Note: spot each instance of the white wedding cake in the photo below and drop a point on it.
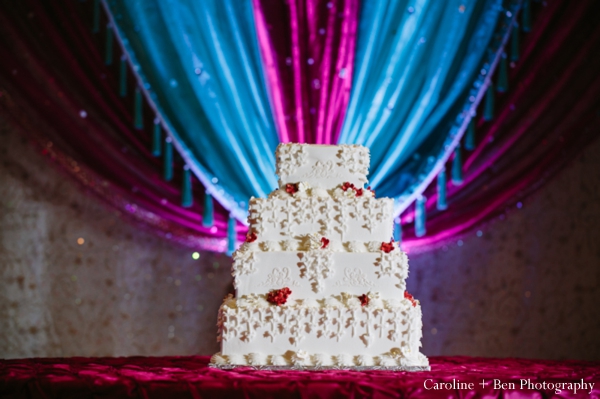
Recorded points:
(319, 281)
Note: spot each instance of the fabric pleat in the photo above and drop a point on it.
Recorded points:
(201, 64)
(308, 53)
(415, 64)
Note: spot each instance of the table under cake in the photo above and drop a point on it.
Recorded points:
(190, 377)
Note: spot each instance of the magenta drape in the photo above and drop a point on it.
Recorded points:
(189, 377)
(308, 54)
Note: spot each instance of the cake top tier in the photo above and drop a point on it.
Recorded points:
(323, 166)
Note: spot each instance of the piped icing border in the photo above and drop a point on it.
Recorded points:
(396, 359)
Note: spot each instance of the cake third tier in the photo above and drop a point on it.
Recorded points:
(315, 273)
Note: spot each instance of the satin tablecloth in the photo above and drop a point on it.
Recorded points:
(190, 377)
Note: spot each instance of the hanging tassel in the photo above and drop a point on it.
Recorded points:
(488, 107)
(420, 217)
(398, 229)
(138, 120)
(156, 138)
(470, 135)
(186, 188)
(514, 44)
(108, 54)
(96, 17)
(457, 174)
(231, 235)
(123, 76)
(208, 216)
(168, 160)
(502, 84)
(526, 16)
(442, 204)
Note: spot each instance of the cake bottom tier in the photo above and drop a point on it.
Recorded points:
(384, 334)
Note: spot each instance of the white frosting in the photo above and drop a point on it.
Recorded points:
(375, 301)
(367, 194)
(237, 358)
(217, 358)
(229, 301)
(364, 360)
(310, 303)
(333, 327)
(252, 300)
(303, 187)
(321, 359)
(374, 246)
(324, 322)
(257, 359)
(247, 247)
(332, 302)
(344, 359)
(289, 245)
(301, 358)
(276, 194)
(269, 246)
(323, 166)
(355, 246)
(321, 272)
(387, 361)
(360, 219)
(350, 301)
(319, 192)
(278, 360)
(313, 241)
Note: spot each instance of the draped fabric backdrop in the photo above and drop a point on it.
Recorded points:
(225, 84)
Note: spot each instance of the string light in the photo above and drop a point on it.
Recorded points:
(80, 241)
(196, 256)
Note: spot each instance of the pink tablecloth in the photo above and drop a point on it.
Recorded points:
(189, 377)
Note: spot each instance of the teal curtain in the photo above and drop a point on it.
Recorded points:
(201, 64)
(416, 64)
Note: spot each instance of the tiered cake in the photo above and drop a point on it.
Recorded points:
(319, 281)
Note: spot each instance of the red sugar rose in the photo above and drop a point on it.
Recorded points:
(359, 192)
(251, 237)
(291, 188)
(410, 298)
(371, 190)
(325, 242)
(364, 300)
(387, 247)
(279, 297)
(347, 186)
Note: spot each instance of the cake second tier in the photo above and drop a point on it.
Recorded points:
(284, 221)
(312, 274)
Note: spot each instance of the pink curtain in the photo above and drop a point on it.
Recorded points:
(308, 54)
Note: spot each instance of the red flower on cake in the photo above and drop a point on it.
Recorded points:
(291, 188)
(364, 300)
(279, 297)
(325, 242)
(371, 190)
(251, 237)
(410, 298)
(359, 192)
(347, 186)
(387, 247)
